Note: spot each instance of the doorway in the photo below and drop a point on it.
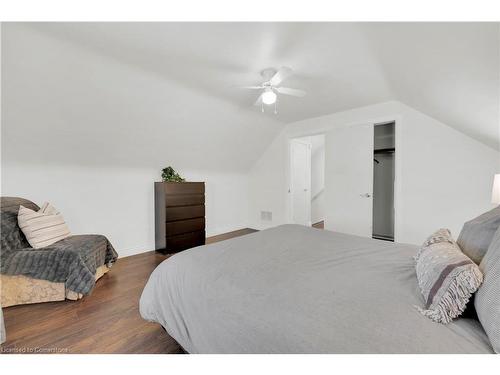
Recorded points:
(383, 181)
(307, 180)
(351, 172)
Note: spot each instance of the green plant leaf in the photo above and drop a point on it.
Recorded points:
(170, 175)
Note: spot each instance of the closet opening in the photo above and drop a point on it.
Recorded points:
(383, 181)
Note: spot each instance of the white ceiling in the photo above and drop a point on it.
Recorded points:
(447, 70)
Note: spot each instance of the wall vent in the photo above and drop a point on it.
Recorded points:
(266, 215)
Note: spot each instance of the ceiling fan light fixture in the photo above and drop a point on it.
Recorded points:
(269, 97)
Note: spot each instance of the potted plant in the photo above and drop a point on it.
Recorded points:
(168, 174)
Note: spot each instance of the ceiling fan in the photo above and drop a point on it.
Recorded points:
(270, 87)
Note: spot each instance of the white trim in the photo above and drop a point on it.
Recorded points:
(397, 120)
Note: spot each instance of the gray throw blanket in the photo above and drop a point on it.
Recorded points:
(73, 260)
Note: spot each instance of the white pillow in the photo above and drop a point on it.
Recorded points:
(42, 228)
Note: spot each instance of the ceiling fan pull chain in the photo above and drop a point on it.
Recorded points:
(276, 107)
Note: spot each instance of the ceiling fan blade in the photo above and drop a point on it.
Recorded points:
(292, 92)
(252, 87)
(281, 75)
(258, 101)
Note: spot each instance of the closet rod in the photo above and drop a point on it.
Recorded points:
(385, 150)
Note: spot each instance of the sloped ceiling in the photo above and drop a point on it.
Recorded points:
(450, 71)
(64, 104)
(447, 70)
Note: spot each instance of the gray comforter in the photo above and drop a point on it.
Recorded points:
(293, 289)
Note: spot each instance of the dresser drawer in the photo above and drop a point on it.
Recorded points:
(184, 212)
(172, 200)
(185, 241)
(184, 226)
(184, 188)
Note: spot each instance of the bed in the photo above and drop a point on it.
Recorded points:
(293, 289)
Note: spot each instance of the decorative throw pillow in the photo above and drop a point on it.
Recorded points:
(42, 228)
(447, 279)
(441, 235)
(487, 298)
(476, 235)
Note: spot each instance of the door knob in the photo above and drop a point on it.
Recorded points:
(365, 195)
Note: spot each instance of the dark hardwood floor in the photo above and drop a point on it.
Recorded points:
(107, 321)
(226, 236)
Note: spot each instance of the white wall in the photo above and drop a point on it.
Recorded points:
(268, 185)
(119, 202)
(91, 135)
(445, 176)
(318, 178)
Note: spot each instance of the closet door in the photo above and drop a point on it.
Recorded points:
(300, 186)
(349, 180)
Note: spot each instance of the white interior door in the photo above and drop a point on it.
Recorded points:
(349, 180)
(300, 181)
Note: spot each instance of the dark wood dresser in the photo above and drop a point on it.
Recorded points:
(179, 215)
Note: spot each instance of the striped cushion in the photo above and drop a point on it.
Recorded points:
(487, 300)
(42, 228)
(447, 279)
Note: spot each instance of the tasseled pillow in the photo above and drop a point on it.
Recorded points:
(447, 279)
